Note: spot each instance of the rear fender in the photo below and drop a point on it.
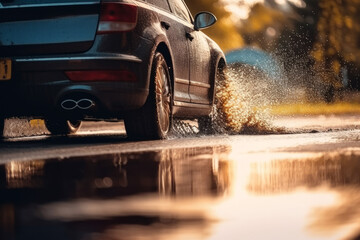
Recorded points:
(162, 45)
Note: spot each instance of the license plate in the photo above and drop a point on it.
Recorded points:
(5, 69)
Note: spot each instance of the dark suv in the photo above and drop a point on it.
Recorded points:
(144, 61)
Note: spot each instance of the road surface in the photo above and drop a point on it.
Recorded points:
(300, 182)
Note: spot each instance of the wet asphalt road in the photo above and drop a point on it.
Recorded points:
(301, 184)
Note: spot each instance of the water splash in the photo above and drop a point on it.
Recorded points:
(182, 128)
(242, 102)
(242, 105)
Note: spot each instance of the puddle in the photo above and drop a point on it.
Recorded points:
(185, 193)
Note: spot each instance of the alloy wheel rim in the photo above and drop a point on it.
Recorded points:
(163, 98)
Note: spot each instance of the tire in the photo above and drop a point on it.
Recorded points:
(2, 127)
(211, 124)
(206, 125)
(58, 126)
(154, 120)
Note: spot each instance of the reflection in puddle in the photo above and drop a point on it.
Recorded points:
(286, 175)
(165, 194)
(24, 175)
(342, 215)
(191, 193)
(334, 176)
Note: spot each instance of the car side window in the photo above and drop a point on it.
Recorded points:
(163, 4)
(180, 10)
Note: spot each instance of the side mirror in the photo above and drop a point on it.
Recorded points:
(204, 20)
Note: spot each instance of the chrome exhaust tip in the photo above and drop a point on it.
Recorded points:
(85, 103)
(68, 104)
(71, 104)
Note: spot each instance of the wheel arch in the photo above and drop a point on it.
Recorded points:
(220, 63)
(165, 51)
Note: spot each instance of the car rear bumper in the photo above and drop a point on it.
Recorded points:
(39, 85)
(75, 62)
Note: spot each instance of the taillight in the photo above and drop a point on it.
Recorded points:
(101, 76)
(117, 17)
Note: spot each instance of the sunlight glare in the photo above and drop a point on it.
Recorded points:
(241, 8)
(298, 3)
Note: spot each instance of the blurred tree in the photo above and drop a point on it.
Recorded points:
(352, 42)
(328, 50)
(319, 38)
(289, 33)
(263, 27)
(296, 44)
(300, 39)
(223, 32)
(337, 44)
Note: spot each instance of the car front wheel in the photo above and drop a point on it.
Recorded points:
(58, 126)
(154, 119)
(213, 123)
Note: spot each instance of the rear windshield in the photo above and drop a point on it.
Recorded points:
(32, 2)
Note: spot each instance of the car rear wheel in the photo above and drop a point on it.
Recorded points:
(58, 126)
(154, 119)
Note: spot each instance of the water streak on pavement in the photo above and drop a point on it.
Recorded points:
(183, 193)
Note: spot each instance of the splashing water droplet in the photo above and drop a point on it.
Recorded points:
(242, 101)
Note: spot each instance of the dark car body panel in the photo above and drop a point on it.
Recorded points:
(45, 40)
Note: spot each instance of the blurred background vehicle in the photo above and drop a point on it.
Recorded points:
(257, 60)
(261, 69)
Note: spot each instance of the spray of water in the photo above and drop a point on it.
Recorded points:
(243, 99)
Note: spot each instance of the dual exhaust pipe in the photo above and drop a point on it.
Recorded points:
(83, 104)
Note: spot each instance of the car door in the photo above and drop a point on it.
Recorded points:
(175, 30)
(200, 59)
(199, 55)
